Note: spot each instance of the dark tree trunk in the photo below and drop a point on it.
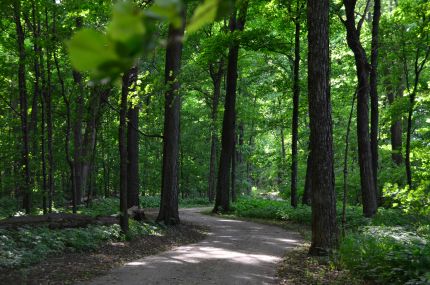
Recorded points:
(374, 119)
(133, 148)
(396, 133)
(26, 191)
(418, 67)
(48, 102)
(364, 151)
(307, 192)
(216, 76)
(222, 201)
(169, 213)
(77, 131)
(295, 121)
(324, 225)
(345, 165)
(122, 139)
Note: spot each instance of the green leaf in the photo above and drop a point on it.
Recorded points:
(127, 23)
(88, 49)
(204, 14)
(167, 9)
(208, 12)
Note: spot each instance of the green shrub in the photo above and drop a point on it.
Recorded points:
(388, 255)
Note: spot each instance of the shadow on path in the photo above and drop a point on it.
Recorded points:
(235, 252)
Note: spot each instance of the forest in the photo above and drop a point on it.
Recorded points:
(144, 140)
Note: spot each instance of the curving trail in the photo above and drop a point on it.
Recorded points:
(234, 252)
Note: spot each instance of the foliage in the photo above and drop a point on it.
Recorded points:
(388, 255)
(27, 245)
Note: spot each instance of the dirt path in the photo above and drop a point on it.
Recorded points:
(235, 252)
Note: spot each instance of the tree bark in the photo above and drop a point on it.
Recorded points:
(216, 76)
(295, 121)
(364, 151)
(324, 225)
(396, 132)
(122, 139)
(222, 201)
(133, 148)
(169, 213)
(26, 191)
(374, 119)
(418, 67)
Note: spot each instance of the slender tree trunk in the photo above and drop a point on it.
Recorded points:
(374, 99)
(26, 191)
(122, 139)
(295, 121)
(418, 67)
(396, 132)
(169, 213)
(77, 131)
(48, 102)
(324, 225)
(222, 201)
(345, 165)
(133, 147)
(43, 154)
(364, 151)
(216, 76)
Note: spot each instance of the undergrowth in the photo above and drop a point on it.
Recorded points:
(391, 248)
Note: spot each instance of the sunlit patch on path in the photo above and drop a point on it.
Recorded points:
(235, 252)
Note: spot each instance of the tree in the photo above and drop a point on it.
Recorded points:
(296, 95)
(324, 225)
(133, 146)
(237, 23)
(26, 191)
(374, 99)
(170, 172)
(368, 189)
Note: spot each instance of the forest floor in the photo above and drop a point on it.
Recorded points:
(234, 252)
(75, 267)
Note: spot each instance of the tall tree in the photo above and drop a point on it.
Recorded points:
(216, 71)
(296, 95)
(237, 23)
(122, 143)
(374, 99)
(26, 191)
(133, 146)
(324, 225)
(169, 213)
(362, 68)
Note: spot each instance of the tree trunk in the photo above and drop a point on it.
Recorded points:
(133, 148)
(418, 67)
(48, 102)
(324, 225)
(374, 119)
(345, 165)
(77, 131)
(295, 121)
(26, 191)
(169, 213)
(222, 201)
(216, 76)
(364, 151)
(122, 139)
(396, 132)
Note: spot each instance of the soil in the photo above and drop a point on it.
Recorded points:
(72, 268)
